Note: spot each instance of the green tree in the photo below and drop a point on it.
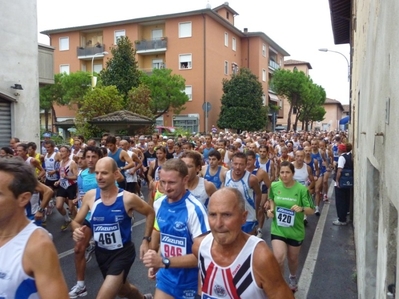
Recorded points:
(121, 70)
(242, 105)
(74, 87)
(312, 106)
(167, 91)
(292, 86)
(100, 101)
(139, 99)
(48, 96)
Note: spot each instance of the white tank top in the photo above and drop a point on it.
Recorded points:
(130, 178)
(218, 282)
(301, 175)
(65, 169)
(199, 192)
(243, 186)
(49, 163)
(14, 282)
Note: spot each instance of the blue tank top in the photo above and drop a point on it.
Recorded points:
(319, 159)
(116, 157)
(205, 154)
(111, 225)
(311, 164)
(214, 179)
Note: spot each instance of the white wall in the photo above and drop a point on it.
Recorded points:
(19, 64)
(375, 77)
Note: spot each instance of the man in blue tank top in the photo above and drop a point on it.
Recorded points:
(111, 212)
(214, 172)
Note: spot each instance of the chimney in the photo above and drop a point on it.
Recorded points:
(245, 30)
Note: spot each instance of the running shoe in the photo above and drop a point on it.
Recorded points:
(50, 207)
(89, 252)
(339, 223)
(325, 199)
(317, 211)
(65, 225)
(293, 284)
(259, 233)
(77, 291)
(148, 296)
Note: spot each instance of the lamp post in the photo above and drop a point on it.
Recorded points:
(347, 61)
(93, 81)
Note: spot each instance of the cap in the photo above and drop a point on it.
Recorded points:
(342, 147)
(46, 135)
(141, 137)
(165, 137)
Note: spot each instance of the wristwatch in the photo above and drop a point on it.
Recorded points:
(166, 262)
(147, 238)
(41, 210)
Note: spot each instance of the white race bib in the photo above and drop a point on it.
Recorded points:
(285, 217)
(173, 246)
(108, 236)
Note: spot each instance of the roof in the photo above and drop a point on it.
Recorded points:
(226, 5)
(122, 116)
(340, 11)
(346, 108)
(333, 102)
(297, 62)
(207, 11)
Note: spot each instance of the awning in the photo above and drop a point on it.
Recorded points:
(344, 120)
(274, 97)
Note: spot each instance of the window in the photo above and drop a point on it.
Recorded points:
(226, 39)
(185, 61)
(264, 50)
(227, 15)
(189, 92)
(64, 44)
(234, 44)
(263, 75)
(118, 34)
(226, 67)
(185, 29)
(234, 68)
(64, 68)
(158, 64)
(97, 68)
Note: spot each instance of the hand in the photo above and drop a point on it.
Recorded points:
(38, 215)
(270, 213)
(78, 233)
(297, 208)
(266, 205)
(152, 272)
(56, 183)
(143, 248)
(152, 259)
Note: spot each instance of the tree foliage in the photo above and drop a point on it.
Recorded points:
(242, 105)
(167, 91)
(48, 96)
(139, 100)
(100, 101)
(304, 97)
(121, 70)
(74, 87)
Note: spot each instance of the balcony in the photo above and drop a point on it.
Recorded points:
(153, 46)
(273, 65)
(89, 52)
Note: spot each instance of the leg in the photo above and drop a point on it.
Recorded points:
(111, 286)
(80, 260)
(340, 204)
(280, 252)
(129, 291)
(292, 257)
(59, 202)
(161, 295)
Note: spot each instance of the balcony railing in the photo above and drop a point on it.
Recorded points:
(151, 45)
(90, 51)
(274, 65)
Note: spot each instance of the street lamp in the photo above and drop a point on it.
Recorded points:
(347, 61)
(93, 81)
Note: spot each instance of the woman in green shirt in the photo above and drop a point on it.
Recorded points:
(289, 202)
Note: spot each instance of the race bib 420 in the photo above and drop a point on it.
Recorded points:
(285, 217)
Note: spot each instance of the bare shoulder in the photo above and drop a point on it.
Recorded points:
(39, 241)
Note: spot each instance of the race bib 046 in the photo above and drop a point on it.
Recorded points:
(285, 217)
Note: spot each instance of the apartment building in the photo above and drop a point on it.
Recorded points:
(203, 46)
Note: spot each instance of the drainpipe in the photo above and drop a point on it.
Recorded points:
(205, 112)
(245, 33)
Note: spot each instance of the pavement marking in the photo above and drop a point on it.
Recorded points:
(308, 268)
(71, 251)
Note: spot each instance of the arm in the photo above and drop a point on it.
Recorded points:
(210, 188)
(134, 203)
(264, 177)
(37, 165)
(44, 268)
(150, 170)
(124, 156)
(84, 209)
(310, 174)
(271, 279)
(223, 175)
(137, 162)
(46, 193)
(74, 170)
(203, 171)
(254, 184)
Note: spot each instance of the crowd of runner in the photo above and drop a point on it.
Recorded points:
(224, 183)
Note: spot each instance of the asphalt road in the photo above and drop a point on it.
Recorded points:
(138, 273)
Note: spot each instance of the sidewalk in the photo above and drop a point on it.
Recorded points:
(329, 271)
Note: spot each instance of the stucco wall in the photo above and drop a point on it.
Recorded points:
(374, 84)
(19, 64)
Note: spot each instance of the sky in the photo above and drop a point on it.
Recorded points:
(300, 27)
